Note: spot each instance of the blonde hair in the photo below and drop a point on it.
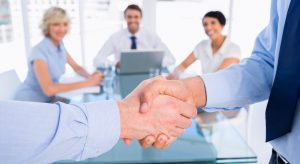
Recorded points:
(51, 16)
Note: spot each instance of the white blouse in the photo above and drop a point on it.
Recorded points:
(209, 62)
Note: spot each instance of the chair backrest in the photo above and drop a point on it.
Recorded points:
(9, 82)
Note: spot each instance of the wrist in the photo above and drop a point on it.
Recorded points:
(197, 87)
(179, 69)
(134, 125)
(87, 75)
(86, 83)
(123, 109)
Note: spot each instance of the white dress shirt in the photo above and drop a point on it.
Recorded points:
(43, 133)
(120, 41)
(211, 62)
(252, 80)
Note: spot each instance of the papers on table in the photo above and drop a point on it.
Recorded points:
(76, 78)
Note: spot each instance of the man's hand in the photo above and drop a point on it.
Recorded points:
(161, 86)
(94, 79)
(196, 89)
(166, 115)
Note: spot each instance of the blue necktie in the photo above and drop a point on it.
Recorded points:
(133, 43)
(285, 91)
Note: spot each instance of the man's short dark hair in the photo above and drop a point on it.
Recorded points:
(217, 15)
(133, 7)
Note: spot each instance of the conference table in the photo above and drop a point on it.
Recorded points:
(210, 139)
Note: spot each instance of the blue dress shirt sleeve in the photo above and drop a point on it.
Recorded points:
(44, 133)
(250, 81)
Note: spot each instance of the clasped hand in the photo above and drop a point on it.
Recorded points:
(157, 112)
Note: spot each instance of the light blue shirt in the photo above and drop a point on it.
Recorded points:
(55, 58)
(43, 133)
(251, 81)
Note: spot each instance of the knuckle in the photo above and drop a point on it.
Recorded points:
(171, 104)
(189, 123)
(180, 133)
(157, 146)
(160, 77)
(175, 120)
(156, 82)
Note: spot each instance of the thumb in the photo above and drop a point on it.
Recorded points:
(161, 86)
(127, 141)
(149, 93)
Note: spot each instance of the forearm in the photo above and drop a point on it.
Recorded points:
(62, 131)
(179, 69)
(82, 72)
(232, 87)
(131, 119)
(239, 85)
(186, 63)
(54, 88)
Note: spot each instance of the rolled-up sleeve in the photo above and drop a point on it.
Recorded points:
(44, 133)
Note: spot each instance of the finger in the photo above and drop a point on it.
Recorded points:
(183, 122)
(173, 88)
(147, 141)
(127, 141)
(144, 108)
(187, 110)
(160, 141)
(169, 141)
(175, 132)
(170, 77)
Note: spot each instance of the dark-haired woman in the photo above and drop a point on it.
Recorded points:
(214, 54)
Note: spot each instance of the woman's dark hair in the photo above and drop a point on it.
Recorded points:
(218, 15)
(133, 7)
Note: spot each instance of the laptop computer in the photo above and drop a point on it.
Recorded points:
(140, 62)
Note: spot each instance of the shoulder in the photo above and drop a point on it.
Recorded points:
(201, 48)
(203, 44)
(148, 34)
(118, 34)
(39, 51)
(233, 47)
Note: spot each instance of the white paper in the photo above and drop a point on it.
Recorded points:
(76, 78)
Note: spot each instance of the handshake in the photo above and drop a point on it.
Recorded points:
(159, 110)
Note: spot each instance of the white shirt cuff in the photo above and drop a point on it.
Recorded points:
(104, 127)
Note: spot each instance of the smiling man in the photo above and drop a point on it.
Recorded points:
(134, 37)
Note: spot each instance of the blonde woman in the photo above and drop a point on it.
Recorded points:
(47, 62)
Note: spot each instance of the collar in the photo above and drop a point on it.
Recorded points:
(50, 45)
(224, 45)
(221, 50)
(137, 34)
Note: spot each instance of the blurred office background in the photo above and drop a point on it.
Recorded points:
(177, 22)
